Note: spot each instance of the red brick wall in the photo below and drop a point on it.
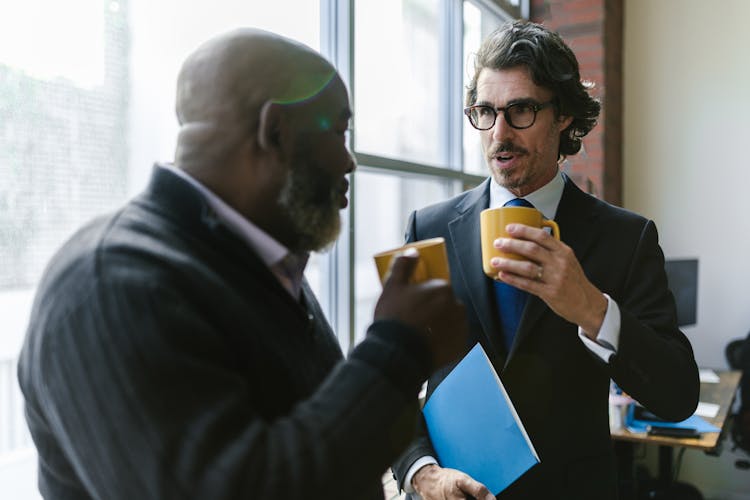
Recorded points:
(590, 28)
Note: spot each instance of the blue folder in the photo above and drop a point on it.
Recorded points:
(693, 422)
(474, 427)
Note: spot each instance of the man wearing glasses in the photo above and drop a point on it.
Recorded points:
(597, 308)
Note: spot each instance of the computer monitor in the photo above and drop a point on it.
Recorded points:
(682, 279)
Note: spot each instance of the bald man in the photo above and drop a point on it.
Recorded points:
(175, 349)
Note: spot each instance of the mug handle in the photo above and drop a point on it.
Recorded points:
(552, 225)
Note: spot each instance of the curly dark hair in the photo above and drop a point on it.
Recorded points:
(552, 65)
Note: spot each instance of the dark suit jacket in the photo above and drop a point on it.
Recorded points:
(164, 360)
(558, 386)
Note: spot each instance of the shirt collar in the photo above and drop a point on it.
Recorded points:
(545, 199)
(270, 251)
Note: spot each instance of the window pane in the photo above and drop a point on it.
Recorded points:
(76, 54)
(176, 31)
(86, 106)
(397, 81)
(478, 24)
(381, 208)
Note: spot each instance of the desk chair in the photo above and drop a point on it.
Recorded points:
(737, 353)
(734, 352)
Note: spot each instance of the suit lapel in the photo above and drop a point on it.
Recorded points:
(464, 239)
(575, 216)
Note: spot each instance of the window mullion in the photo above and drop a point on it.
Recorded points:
(452, 40)
(337, 44)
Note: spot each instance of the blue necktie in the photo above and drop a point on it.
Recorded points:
(510, 300)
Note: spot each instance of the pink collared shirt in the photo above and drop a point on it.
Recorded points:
(288, 267)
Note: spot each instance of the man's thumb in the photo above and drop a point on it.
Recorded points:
(402, 267)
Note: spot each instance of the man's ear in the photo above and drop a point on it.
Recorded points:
(564, 121)
(269, 126)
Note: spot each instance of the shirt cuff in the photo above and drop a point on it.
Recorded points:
(608, 340)
(408, 488)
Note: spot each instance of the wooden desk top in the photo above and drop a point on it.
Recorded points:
(721, 393)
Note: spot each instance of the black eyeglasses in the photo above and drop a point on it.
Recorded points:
(519, 115)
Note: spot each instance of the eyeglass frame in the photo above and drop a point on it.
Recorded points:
(536, 106)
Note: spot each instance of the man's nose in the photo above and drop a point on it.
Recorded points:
(501, 130)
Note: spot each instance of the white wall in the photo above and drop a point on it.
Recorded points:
(686, 165)
(686, 138)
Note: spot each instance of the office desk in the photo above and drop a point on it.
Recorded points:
(721, 393)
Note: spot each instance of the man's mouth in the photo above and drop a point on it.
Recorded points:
(506, 153)
(344, 201)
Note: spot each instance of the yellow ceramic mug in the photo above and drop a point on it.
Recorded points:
(492, 226)
(432, 263)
